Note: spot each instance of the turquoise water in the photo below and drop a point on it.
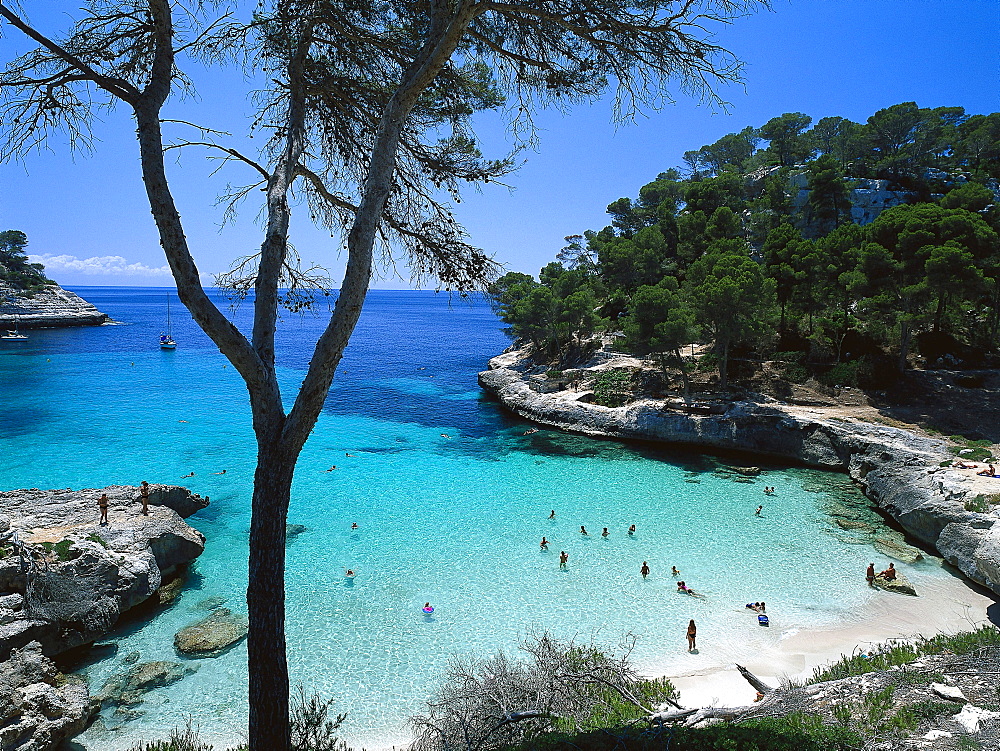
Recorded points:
(452, 520)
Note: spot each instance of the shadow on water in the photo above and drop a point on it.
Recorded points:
(21, 422)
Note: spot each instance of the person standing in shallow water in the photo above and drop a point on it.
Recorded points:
(692, 634)
(563, 557)
(144, 497)
(644, 570)
(102, 504)
(870, 575)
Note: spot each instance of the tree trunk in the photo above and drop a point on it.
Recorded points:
(684, 375)
(268, 679)
(905, 334)
(724, 367)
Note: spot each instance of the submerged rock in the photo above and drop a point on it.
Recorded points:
(212, 634)
(294, 530)
(854, 525)
(130, 687)
(169, 591)
(900, 585)
(898, 550)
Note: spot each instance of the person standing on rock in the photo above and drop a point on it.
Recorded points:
(870, 575)
(144, 497)
(102, 504)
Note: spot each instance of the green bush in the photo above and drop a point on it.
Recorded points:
(554, 373)
(841, 374)
(613, 387)
(708, 362)
(797, 373)
(978, 505)
(94, 537)
(61, 549)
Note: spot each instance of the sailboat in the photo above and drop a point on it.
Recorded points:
(15, 334)
(167, 340)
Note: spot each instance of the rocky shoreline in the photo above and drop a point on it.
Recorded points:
(53, 307)
(65, 580)
(899, 470)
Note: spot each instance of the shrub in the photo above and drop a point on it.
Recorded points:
(978, 505)
(94, 537)
(708, 362)
(554, 373)
(613, 387)
(841, 374)
(797, 373)
(61, 550)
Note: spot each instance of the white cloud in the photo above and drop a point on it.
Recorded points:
(97, 265)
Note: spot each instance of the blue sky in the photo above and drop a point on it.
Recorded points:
(87, 216)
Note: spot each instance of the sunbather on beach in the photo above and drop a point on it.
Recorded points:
(987, 472)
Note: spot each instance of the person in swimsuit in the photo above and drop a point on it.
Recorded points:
(144, 497)
(102, 504)
(692, 634)
(544, 544)
(631, 530)
(583, 530)
(605, 532)
(190, 474)
(870, 574)
(759, 509)
(563, 557)
(674, 571)
(890, 573)
(644, 570)
(552, 514)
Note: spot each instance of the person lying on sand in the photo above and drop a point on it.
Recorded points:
(959, 464)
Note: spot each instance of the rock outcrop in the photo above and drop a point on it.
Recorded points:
(211, 635)
(52, 307)
(899, 470)
(70, 578)
(129, 688)
(39, 707)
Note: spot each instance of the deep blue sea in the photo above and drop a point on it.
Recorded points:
(451, 500)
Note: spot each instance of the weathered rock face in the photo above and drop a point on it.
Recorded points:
(53, 307)
(900, 585)
(74, 578)
(210, 636)
(900, 471)
(39, 708)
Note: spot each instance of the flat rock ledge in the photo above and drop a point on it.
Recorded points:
(64, 582)
(899, 471)
(53, 307)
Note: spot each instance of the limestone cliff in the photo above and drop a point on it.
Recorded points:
(899, 470)
(52, 307)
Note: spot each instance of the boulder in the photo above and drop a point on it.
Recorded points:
(129, 688)
(211, 635)
(39, 707)
(900, 585)
(169, 591)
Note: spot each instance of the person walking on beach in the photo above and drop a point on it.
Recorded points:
(692, 634)
(144, 497)
(644, 570)
(563, 557)
(870, 575)
(102, 504)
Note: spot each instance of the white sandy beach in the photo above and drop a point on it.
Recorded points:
(943, 606)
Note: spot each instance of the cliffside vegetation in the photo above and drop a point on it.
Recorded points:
(15, 269)
(773, 242)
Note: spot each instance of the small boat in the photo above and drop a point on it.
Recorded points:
(15, 334)
(167, 340)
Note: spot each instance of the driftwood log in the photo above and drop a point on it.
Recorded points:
(691, 717)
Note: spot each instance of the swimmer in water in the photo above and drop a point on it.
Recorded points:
(583, 530)
(644, 570)
(631, 530)
(544, 544)
(552, 514)
(350, 455)
(219, 473)
(187, 475)
(674, 571)
(563, 557)
(349, 573)
(530, 431)
(759, 509)
(331, 468)
(445, 435)
(427, 608)
(605, 532)
(354, 526)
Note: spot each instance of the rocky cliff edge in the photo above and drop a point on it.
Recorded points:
(900, 471)
(65, 579)
(53, 307)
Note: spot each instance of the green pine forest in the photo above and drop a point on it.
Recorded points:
(846, 251)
